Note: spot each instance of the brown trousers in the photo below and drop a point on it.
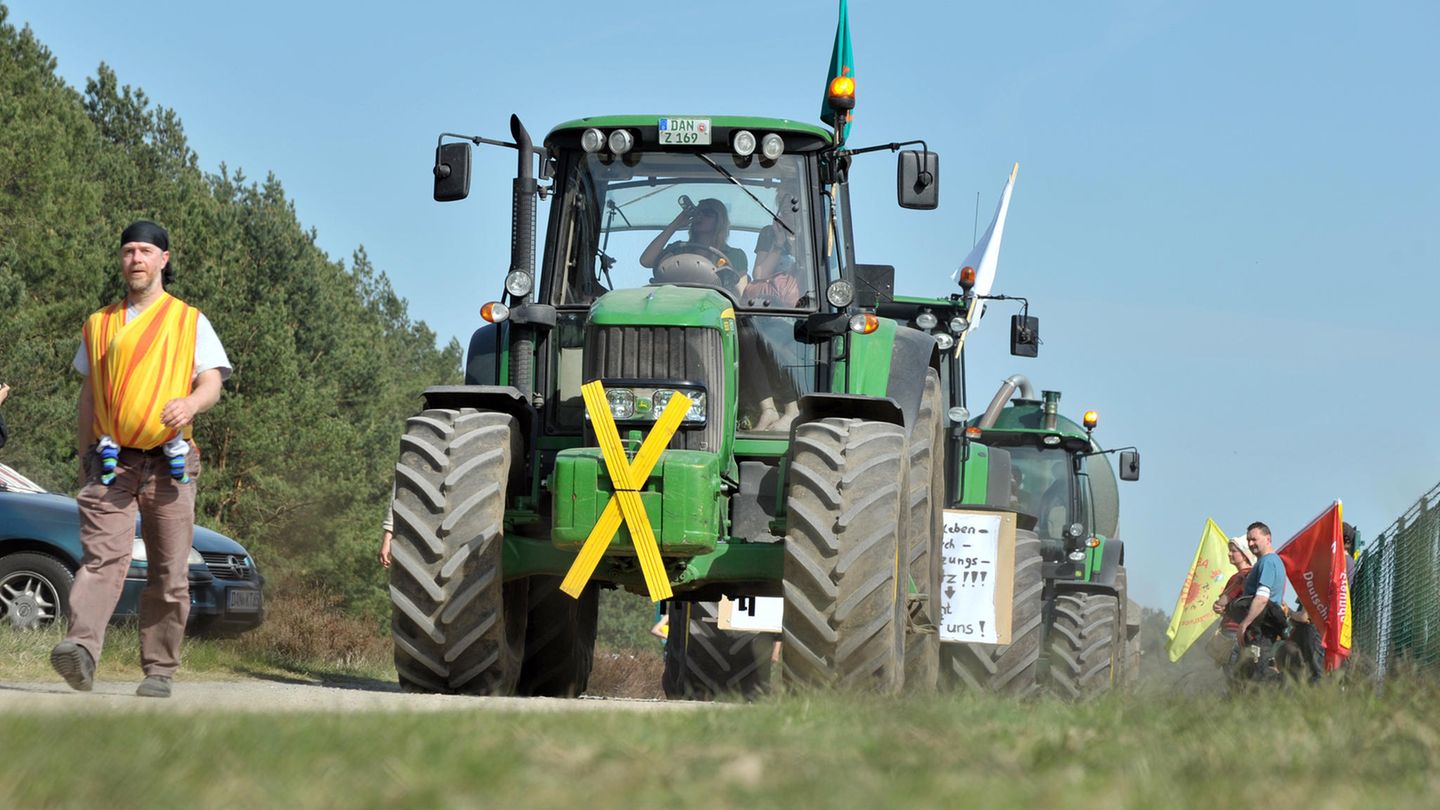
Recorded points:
(107, 533)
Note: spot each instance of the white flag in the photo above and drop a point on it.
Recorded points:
(985, 256)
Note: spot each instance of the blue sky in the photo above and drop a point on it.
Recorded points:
(1226, 214)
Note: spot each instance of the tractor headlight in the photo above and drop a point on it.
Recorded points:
(772, 146)
(621, 141)
(744, 143)
(647, 404)
(958, 324)
(592, 140)
(519, 283)
(926, 321)
(840, 294)
(622, 402)
(944, 341)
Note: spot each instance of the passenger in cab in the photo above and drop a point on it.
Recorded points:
(777, 281)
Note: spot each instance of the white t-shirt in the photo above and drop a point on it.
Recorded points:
(209, 353)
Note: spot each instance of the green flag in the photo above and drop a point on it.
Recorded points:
(842, 63)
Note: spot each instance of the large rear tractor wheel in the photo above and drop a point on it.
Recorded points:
(559, 639)
(1086, 645)
(844, 622)
(703, 662)
(1008, 669)
(924, 530)
(457, 626)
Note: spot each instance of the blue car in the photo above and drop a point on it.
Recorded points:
(40, 552)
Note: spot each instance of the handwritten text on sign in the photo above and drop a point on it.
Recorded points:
(973, 577)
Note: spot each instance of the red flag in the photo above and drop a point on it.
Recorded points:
(1315, 563)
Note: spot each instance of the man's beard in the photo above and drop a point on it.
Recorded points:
(141, 284)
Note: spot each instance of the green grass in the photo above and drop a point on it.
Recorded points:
(1324, 747)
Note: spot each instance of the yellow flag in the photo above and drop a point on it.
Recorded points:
(1208, 573)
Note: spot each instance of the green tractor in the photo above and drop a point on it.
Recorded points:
(703, 266)
(1076, 632)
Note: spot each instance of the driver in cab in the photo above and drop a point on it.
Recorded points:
(705, 257)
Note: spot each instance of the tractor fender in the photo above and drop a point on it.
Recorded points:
(913, 353)
(482, 361)
(891, 364)
(497, 398)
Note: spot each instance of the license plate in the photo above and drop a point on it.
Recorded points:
(684, 131)
(243, 600)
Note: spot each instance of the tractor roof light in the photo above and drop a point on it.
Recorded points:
(1092, 418)
(621, 141)
(840, 95)
(519, 283)
(967, 278)
(772, 146)
(863, 323)
(592, 140)
(743, 142)
(840, 293)
(494, 312)
(1051, 440)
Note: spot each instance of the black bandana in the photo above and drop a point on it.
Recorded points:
(143, 230)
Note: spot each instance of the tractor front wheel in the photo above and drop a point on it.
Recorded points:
(1086, 645)
(457, 626)
(844, 622)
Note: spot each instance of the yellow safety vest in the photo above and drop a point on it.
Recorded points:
(137, 367)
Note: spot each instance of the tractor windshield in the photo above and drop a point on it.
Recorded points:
(742, 225)
(1042, 486)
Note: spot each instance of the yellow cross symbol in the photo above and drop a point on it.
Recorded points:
(625, 507)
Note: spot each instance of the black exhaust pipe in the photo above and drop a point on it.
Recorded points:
(522, 257)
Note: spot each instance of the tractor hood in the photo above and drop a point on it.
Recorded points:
(664, 305)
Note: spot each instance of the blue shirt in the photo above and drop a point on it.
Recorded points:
(1268, 571)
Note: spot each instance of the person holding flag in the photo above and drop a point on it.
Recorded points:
(1264, 587)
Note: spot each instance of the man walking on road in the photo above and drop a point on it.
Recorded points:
(151, 363)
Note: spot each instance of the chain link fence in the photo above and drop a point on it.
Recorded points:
(1397, 590)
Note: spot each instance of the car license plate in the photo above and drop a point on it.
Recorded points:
(684, 131)
(243, 600)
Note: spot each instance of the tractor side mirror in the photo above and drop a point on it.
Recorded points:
(1129, 465)
(874, 285)
(917, 180)
(1024, 335)
(452, 171)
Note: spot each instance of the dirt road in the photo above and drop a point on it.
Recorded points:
(266, 696)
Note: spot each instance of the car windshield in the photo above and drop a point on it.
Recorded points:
(742, 225)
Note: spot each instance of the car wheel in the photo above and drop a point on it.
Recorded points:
(34, 590)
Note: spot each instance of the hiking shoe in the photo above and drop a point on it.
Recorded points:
(74, 664)
(154, 686)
